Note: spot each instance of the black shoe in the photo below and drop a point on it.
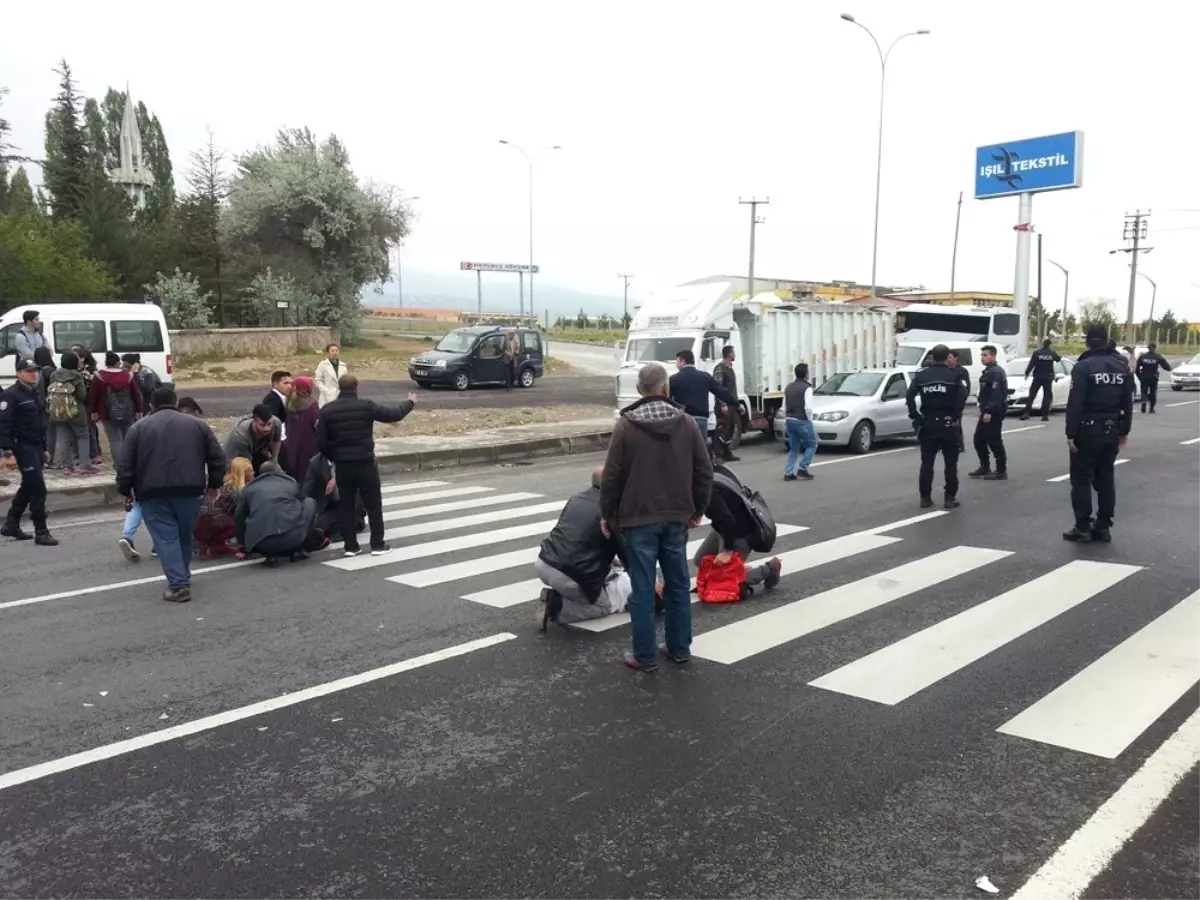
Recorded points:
(732, 458)
(1045, 418)
(270, 562)
(979, 473)
(551, 601)
(774, 570)
(45, 539)
(14, 532)
(299, 555)
(1025, 418)
(996, 476)
(1103, 535)
(951, 503)
(926, 502)
(177, 595)
(1152, 410)
(381, 550)
(805, 474)
(1078, 535)
(1143, 409)
(789, 478)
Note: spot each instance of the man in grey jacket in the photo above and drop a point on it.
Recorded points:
(168, 461)
(273, 516)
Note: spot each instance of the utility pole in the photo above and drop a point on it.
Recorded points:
(954, 255)
(755, 221)
(1041, 305)
(1135, 231)
(625, 317)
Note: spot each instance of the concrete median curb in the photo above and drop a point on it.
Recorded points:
(100, 491)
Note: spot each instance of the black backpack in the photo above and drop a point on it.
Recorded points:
(120, 406)
(762, 537)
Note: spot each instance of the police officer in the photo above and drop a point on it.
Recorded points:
(939, 423)
(1041, 367)
(1099, 416)
(1148, 366)
(23, 445)
(993, 402)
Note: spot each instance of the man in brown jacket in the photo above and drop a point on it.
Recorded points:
(656, 485)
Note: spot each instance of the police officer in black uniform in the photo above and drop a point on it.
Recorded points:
(1099, 416)
(1041, 367)
(993, 403)
(23, 445)
(1148, 366)
(939, 423)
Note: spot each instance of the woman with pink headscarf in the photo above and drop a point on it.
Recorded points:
(302, 413)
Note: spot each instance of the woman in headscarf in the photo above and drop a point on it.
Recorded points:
(301, 443)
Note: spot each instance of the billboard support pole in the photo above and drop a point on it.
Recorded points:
(1021, 278)
(479, 291)
(521, 295)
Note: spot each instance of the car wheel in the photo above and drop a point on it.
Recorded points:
(863, 437)
(526, 378)
(462, 381)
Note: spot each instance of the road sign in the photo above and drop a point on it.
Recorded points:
(281, 304)
(497, 267)
(1050, 163)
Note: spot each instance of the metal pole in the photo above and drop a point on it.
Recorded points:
(1041, 302)
(753, 228)
(1066, 285)
(479, 291)
(1137, 235)
(878, 178)
(954, 255)
(1021, 277)
(530, 161)
(399, 278)
(521, 294)
(1153, 296)
(625, 318)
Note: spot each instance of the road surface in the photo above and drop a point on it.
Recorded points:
(928, 698)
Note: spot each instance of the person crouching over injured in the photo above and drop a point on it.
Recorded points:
(274, 518)
(577, 564)
(732, 529)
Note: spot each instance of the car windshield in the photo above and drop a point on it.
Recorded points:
(1016, 368)
(1194, 361)
(456, 342)
(850, 384)
(910, 355)
(662, 349)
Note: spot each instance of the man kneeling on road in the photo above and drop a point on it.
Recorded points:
(576, 564)
(274, 518)
(732, 528)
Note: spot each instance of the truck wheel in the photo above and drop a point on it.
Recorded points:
(526, 378)
(462, 381)
(863, 437)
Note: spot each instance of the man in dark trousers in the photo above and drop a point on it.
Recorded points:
(727, 416)
(993, 402)
(1099, 418)
(938, 425)
(23, 445)
(1148, 367)
(273, 516)
(690, 388)
(1041, 367)
(345, 436)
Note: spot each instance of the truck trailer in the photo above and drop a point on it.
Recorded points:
(769, 335)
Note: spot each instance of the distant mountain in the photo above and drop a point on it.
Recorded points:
(457, 290)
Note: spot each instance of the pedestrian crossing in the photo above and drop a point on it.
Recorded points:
(1099, 710)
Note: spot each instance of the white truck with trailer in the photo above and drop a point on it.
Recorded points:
(769, 334)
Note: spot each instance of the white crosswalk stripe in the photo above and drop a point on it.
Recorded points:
(1067, 477)
(1101, 710)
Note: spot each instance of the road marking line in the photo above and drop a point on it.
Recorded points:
(1104, 708)
(483, 518)
(411, 486)
(1067, 477)
(87, 757)
(446, 545)
(924, 517)
(99, 520)
(1192, 441)
(909, 666)
(756, 634)
(1022, 428)
(507, 594)
(842, 459)
(1074, 865)
(1182, 403)
(454, 505)
(434, 495)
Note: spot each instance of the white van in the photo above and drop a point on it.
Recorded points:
(100, 327)
(915, 354)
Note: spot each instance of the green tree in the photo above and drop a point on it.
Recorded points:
(20, 200)
(183, 302)
(67, 170)
(103, 122)
(298, 208)
(1099, 311)
(198, 241)
(46, 259)
(581, 320)
(267, 290)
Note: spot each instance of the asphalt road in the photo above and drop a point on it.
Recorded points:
(490, 760)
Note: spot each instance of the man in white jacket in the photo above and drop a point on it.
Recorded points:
(329, 371)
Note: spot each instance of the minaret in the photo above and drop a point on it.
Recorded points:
(132, 174)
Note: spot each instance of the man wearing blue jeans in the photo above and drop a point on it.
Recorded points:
(169, 460)
(656, 484)
(797, 407)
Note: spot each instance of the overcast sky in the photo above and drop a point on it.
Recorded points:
(668, 111)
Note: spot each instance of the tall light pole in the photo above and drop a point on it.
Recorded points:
(1153, 297)
(399, 272)
(1066, 286)
(883, 58)
(625, 317)
(528, 160)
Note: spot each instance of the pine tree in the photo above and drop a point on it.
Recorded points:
(66, 171)
(19, 201)
(198, 223)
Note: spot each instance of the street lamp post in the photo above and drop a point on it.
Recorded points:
(1153, 296)
(625, 318)
(1066, 286)
(528, 160)
(399, 271)
(883, 58)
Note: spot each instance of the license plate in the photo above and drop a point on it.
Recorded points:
(421, 371)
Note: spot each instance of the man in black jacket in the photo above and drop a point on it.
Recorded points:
(346, 437)
(731, 531)
(1041, 367)
(321, 486)
(993, 403)
(576, 563)
(273, 516)
(168, 460)
(1148, 367)
(690, 387)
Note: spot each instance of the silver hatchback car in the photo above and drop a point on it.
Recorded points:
(855, 409)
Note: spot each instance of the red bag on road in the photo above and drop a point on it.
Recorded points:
(721, 584)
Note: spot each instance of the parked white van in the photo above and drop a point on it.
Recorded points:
(100, 327)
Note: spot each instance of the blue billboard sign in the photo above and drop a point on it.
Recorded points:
(1049, 163)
